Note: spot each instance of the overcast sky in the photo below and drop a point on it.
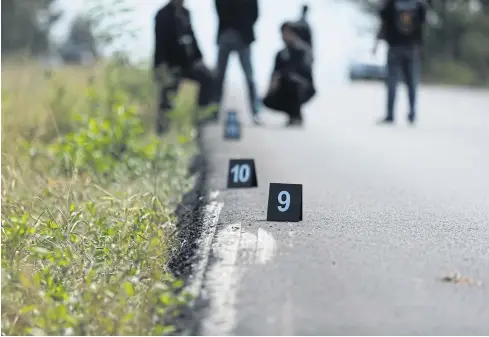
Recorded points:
(334, 25)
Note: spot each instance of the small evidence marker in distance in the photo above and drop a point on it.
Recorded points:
(232, 126)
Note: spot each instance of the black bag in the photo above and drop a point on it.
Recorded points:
(302, 29)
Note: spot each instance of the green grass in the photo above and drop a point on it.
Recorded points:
(88, 193)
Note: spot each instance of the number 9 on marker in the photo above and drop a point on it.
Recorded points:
(284, 202)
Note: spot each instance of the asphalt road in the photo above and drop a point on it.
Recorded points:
(388, 211)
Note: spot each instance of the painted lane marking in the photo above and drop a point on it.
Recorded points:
(233, 249)
(209, 224)
(222, 282)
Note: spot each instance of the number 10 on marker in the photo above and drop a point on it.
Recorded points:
(242, 173)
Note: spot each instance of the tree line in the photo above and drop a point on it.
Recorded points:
(456, 45)
(456, 48)
(27, 26)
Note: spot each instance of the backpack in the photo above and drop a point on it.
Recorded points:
(406, 16)
(301, 27)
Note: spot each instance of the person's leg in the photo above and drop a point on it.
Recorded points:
(165, 104)
(410, 69)
(224, 50)
(304, 86)
(292, 100)
(246, 63)
(393, 64)
(285, 98)
(205, 79)
(272, 99)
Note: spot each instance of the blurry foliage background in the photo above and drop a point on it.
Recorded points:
(456, 48)
(88, 190)
(27, 26)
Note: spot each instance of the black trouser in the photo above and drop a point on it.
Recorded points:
(402, 60)
(201, 74)
(291, 93)
(228, 42)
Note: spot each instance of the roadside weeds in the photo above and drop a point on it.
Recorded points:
(88, 199)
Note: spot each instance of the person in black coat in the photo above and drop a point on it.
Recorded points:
(291, 83)
(235, 34)
(177, 56)
(402, 27)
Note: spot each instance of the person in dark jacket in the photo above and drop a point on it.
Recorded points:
(291, 83)
(402, 23)
(236, 34)
(177, 56)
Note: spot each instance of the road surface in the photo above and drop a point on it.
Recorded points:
(388, 211)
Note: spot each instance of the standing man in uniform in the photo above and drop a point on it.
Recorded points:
(177, 56)
(402, 23)
(236, 33)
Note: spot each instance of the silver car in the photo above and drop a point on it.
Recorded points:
(365, 65)
(367, 71)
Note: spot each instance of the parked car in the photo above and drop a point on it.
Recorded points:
(366, 66)
(367, 71)
(76, 54)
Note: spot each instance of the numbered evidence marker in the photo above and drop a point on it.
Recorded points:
(242, 173)
(232, 131)
(232, 126)
(284, 202)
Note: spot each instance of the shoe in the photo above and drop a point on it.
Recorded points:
(411, 119)
(257, 106)
(386, 120)
(256, 119)
(295, 122)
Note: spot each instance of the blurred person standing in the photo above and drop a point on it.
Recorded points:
(402, 23)
(236, 34)
(291, 83)
(177, 56)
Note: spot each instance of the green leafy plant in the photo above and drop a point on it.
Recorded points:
(95, 270)
(88, 227)
(88, 194)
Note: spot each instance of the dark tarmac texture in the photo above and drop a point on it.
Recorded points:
(388, 212)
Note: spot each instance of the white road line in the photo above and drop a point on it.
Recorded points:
(247, 248)
(209, 224)
(213, 195)
(219, 281)
(291, 239)
(222, 282)
(233, 249)
(265, 247)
